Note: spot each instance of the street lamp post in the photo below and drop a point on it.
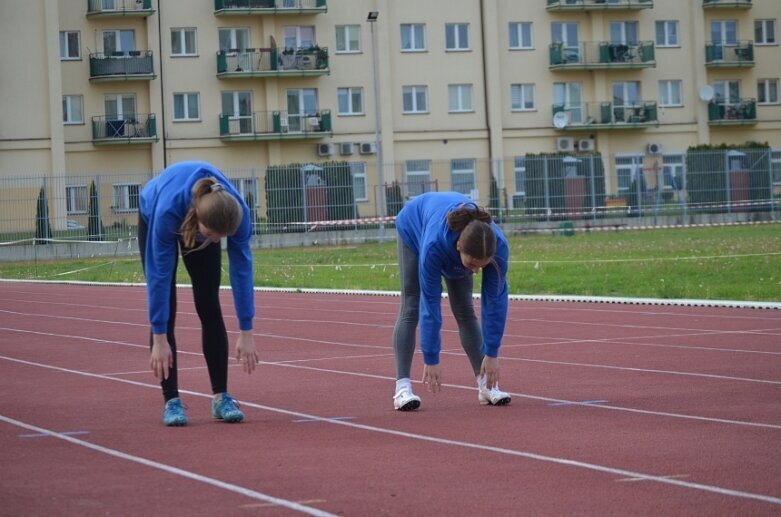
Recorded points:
(372, 19)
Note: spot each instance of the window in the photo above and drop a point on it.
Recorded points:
(462, 176)
(358, 170)
(520, 35)
(76, 199)
(118, 42)
(120, 106)
(565, 35)
(69, 45)
(765, 32)
(418, 175)
(233, 39)
(724, 32)
(727, 92)
(567, 97)
(248, 190)
(299, 36)
(237, 107)
(767, 91)
(183, 42)
(775, 165)
(673, 176)
(670, 93)
(459, 98)
(628, 168)
(626, 95)
(522, 97)
(413, 37)
(301, 109)
(126, 197)
(624, 33)
(348, 38)
(350, 101)
(457, 36)
(72, 109)
(186, 106)
(414, 99)
(667, 33)
(520, 180)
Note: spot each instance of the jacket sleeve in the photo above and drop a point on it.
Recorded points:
(494, 303)
(162, 253)
(430, 274)
(241, 273)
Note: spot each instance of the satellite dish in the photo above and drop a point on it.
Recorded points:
(706, 93)
(560, 120)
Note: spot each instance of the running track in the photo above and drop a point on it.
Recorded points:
(617, 410)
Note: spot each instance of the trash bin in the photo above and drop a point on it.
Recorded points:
(566, 229)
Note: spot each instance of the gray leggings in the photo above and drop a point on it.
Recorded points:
(459, 293)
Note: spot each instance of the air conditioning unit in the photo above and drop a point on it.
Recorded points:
(368, 148)
(586, 144)
(325, 149)
(654, 148)
(565, 144)
(346, 148)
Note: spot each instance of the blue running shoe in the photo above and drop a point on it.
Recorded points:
(173, 413)
(227, 409)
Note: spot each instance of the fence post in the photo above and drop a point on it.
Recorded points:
(545, 188)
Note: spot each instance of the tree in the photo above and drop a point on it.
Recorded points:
(94, 225)
(43, 229)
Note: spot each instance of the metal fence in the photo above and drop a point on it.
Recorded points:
(537, 192)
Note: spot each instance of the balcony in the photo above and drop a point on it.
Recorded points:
(134, 65)
(607, 115)
(275, 125)
(599, 5)
(726, 4)
(722, 55)
(140, 128)
(742, 113)
(273, 62)
(268, 7)
(602, 55)
(119, 8)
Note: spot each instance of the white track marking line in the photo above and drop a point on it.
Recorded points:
(622, 473)
(253, 494)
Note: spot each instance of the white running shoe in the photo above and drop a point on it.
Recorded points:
(493, 397)
(405, 400)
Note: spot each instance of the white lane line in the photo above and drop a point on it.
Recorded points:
(171, 469)
(622, 473)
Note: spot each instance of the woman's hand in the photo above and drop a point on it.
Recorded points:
(246, 353)
(161, 360)
(432, 377)
(490, 368)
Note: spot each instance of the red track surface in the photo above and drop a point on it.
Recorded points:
(617, 410)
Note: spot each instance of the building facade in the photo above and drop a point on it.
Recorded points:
(465, 89)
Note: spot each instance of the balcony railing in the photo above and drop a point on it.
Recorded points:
(272, 62)
(727, 4)
(273, 125)
(723, 55)
(138, 128)
(117, 8)
(596, 5)
(608, 115)
(743, 112)
(261, 7)
(133, 65)
(602, 55)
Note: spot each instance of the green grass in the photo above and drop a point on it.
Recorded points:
(741, 263)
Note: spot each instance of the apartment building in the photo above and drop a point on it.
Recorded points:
(465, 89)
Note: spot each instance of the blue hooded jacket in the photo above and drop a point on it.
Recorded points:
(422, 226)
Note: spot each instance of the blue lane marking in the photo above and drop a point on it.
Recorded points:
(43, 435)
(586, 402)
(305, 420)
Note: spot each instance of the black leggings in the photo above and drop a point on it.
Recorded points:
(204, 268)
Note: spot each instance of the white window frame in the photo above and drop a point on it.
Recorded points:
(67, 52)
(417, 172)
(631, 163)
(180, 34)
(667, 34)
(769, 89)
(460, 98)
(724, 91)
(349, 95)
(72, 109)
(360, 189)
(625, 32)
(518, 32)
(238, 38)
(123, 39)
(245, 186)
(187, 98)
(344, 42)
(570, 95)
(413, 35)
(412, 96)
(676, 165)
(761, 30)
(304, 36)
(462, 175)
(126, 197)
(76, 197)
(724, 32)
(453, 31)
(522, 97)
(668, 90)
